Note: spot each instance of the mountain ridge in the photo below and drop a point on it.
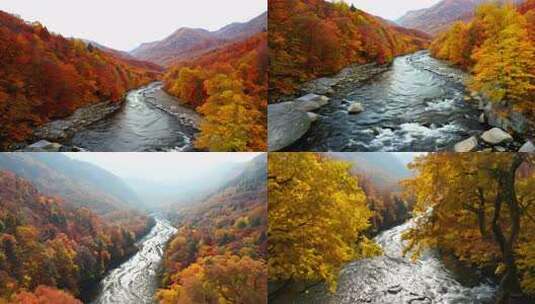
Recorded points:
(187, 42)
(440, 16)
(81, 183)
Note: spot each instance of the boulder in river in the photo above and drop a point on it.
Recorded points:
(466, 145)
(482, 118)
(43, 146)
(313, 116)
(355, 108)
(311, 102)
(286, 124)
(528, 147)
(496, 136)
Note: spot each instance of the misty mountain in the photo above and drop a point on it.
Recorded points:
(253, 176)
(79, 183)
(440, 16)
(186, 43)
(384, 169)
(186, 191)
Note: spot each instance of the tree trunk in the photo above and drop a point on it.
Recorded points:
(481, 220)
(510, 283)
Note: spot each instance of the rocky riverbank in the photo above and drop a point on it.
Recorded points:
(156, 96)
(291, 118)
(418, 103)
(511, 131)
(47, 138)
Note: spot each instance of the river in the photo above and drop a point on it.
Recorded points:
(142, 124)
(392, 278)
(136, 280)
(417, 105)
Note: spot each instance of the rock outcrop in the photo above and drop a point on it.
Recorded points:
(467, 145)
(311, 102)
(496, 136)
(59, 130)
(286, 124)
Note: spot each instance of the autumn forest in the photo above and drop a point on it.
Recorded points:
(57, 89)
(206, 244)
(267, 151)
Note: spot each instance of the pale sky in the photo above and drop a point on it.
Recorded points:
(163, 166)
(391, 9)
(124, 24)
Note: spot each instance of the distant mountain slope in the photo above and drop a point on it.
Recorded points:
(440, 16)
(81, 183)
(189, 42)
(384, 169)
(125, 56)
(252, 176)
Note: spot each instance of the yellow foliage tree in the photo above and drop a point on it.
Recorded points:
(506, 60)
(231, 118)
(317, 216)
(478, 207)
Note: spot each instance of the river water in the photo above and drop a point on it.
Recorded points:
(136, 280)
(417, 105)
(142, 124)
(392, 278)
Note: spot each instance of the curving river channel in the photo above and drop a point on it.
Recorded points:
(392, 278)
(136, 280)
(417, 105)
(150, 120)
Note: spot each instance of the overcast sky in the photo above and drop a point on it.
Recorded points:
(391, 9)
(124, 24)
(162, 166)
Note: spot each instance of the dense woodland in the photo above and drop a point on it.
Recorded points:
(313, 38)
(229, 87)
(498, 48)
(480, 207)
(52, 251)
(45, 76)
(388, 206)
(219, 253)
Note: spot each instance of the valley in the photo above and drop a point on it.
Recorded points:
(338, 242)
(96, 238)
(136, 280)
(74, 94)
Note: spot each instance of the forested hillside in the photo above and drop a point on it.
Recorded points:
(45, 76)
(498, 48)
(82, 184)
(478, 207)
(442, 15)
(229, 87)
(314, 38)
(379, 176)
(219, 253)
(48, 245)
